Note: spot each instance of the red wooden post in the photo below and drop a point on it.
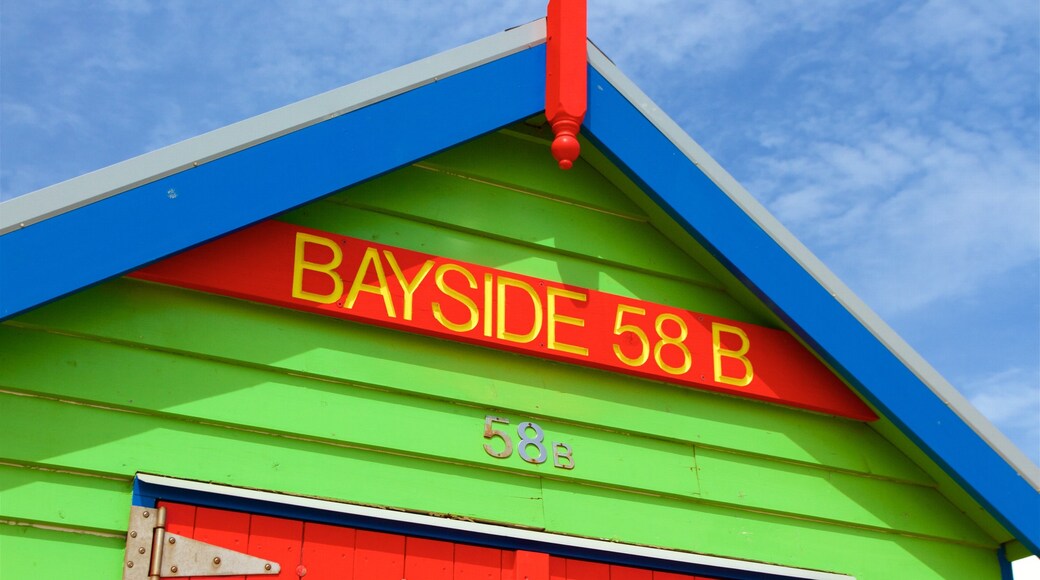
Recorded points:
(565, 76)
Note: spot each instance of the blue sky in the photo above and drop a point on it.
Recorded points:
(900, 141)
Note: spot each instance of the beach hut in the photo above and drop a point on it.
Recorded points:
(380, 334)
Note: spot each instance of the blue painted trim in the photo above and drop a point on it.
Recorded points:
(148, 494)
(636, 146)
(85, 246)
(141, 495)
(1006, 573)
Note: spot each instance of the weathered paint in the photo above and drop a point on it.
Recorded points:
(130, 376)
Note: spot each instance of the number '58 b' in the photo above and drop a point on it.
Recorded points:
(531, 444)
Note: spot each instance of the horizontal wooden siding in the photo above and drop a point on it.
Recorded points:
(130, 376)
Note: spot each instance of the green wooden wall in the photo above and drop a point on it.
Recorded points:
(130, 376)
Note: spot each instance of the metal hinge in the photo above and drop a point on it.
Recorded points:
(153, 553)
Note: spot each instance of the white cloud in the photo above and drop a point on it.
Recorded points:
(891, 151)
(148, 74)
(911, 218)
(702, 35)
(1011, 400)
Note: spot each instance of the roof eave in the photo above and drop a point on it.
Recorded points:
(178, 197)
(795, 284)
(41, 204)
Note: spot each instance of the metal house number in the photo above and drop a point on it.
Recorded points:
(530, 446)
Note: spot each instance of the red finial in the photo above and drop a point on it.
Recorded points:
(565, 147)
(566, 76)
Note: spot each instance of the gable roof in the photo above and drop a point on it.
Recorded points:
(66, 237)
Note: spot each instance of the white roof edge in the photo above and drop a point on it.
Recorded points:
(56, 199)
(801, 254)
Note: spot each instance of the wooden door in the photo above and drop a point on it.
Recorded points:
(314, 551)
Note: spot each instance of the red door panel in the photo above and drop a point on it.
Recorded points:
(180, 519)
(312, 551)
(278, 540)
(477, 563)
(584, 570)
(327, 552)
(626, 573)
(378, 556)
(222, 528)
(557, 568)
(428, 559)
(524, 565)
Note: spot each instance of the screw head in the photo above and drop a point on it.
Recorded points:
(133, 534)
(267, 567)
(173, 569)
(130, 564)
(145, 514)
(173, 540)
(216, 561)
(140, 550)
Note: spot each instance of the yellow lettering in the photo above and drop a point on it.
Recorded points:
(371, 259)
(555, 318)
(676, 341)
(488, 290)
(620, 329)
(466, 301)
(407, 287)
(329, 269)
(536, 324)
(718, 353)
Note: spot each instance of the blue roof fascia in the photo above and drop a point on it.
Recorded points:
(707, 213)
(65, 253)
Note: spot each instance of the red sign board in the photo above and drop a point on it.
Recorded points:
(324, 273)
